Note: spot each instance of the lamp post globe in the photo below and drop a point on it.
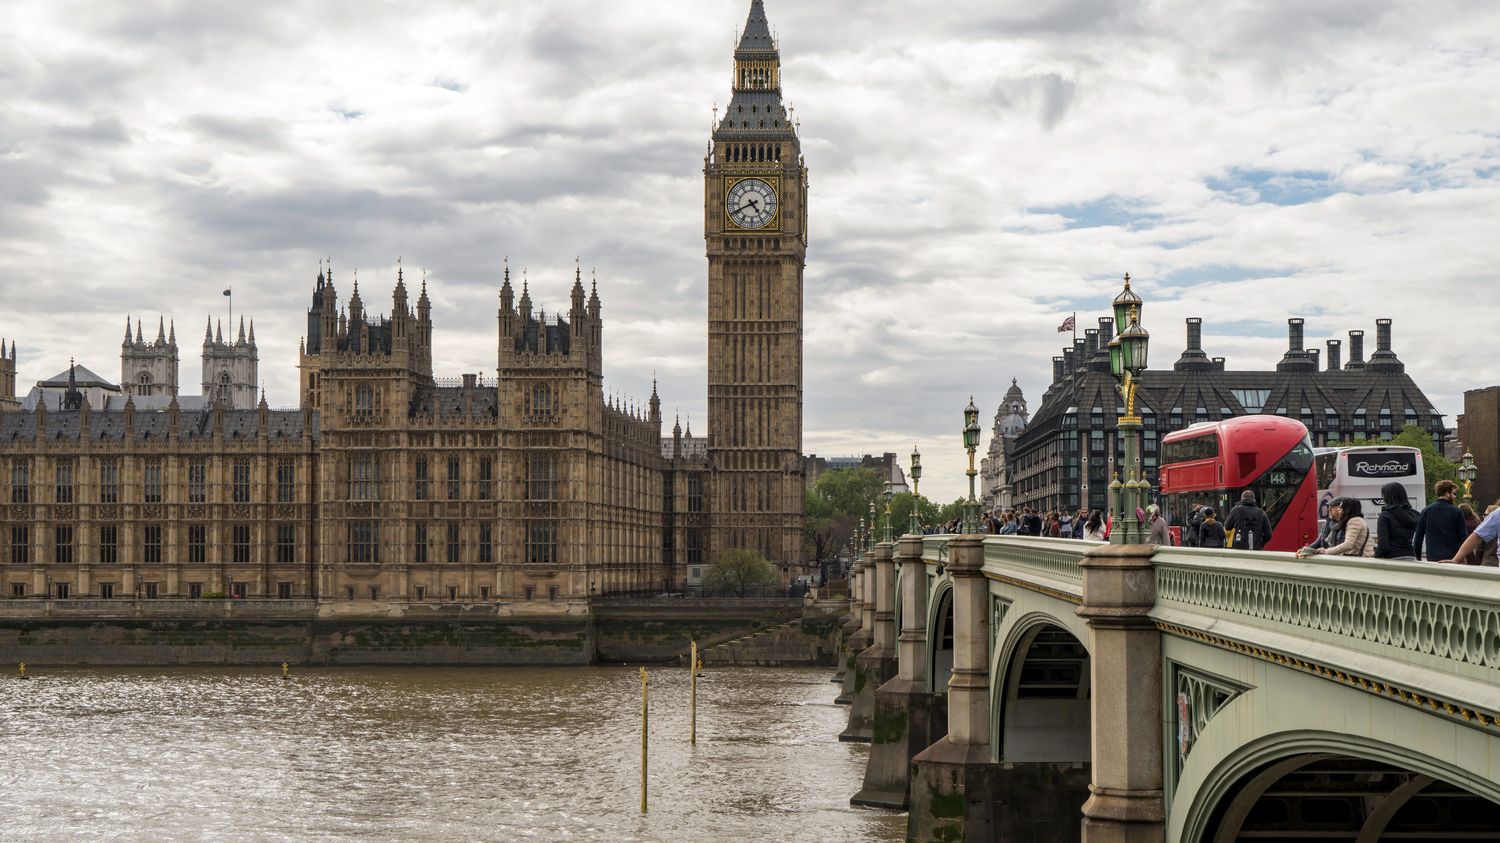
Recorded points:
(1128, 357)
(914, 527)
(1467, 472)
(971, 444)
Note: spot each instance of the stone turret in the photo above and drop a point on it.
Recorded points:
(8, 401)
(149, 368)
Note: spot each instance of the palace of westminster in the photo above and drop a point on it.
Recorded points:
(391, 484)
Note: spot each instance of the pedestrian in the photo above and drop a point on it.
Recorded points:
(1397, 525)
(1484, 537)
(1330, 534)
(1065, 525)
(1249, 523)
(1353, 530)
(1160, 534)
(1471, 520)
(1194, 522)
(1440, 527)
(1054, 525)
(1210, 532)
(1033, 522)
(1079, 519)
(1093, 528)
(1008, 525)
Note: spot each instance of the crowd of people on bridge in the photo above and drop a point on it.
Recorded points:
(1445, 531)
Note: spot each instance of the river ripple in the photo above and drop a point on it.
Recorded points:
(427, 754)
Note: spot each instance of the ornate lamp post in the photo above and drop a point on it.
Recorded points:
(886, 528)
(873, 535)
(971, 444)
(914, 525)
(859, 540)
(1467, 472)
(1127, 359)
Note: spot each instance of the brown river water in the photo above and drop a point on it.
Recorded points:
(427, 754)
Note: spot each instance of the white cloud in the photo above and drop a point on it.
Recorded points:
(979, 170)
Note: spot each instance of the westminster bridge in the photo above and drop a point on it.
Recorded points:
(1034, 689)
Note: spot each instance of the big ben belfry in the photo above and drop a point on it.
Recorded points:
(755, 228)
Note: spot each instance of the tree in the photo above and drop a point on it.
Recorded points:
(1434, 465)
(834, 505)
(927, 512)
(738, 571)
(950, 511)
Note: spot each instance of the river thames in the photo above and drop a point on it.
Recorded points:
(429, 754)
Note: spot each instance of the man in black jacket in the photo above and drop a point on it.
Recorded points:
(1441, 524)
(1249, 522)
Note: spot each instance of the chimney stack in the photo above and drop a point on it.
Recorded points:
(1193, 357)
(1297, 358)
(1218, 364)
(1333, 355)
(1058, 369)
(1356, 350)
(1384, 359)
(1070, 360)
(1314, 353)
(1106, 331)
(1090, 343)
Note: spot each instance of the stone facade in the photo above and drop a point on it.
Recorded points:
(149, 368)
(1481, 437)
(390, 485)
(997, 491)
(8, 402)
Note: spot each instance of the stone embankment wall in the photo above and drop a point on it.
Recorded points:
(220, 632)
(810, 640)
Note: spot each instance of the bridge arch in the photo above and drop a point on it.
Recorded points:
(940, 631)
(1343, 788)
(1040, 690)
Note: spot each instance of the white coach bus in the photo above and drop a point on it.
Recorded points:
(1360, 471)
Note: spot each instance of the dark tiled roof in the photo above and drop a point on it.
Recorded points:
(103, 426)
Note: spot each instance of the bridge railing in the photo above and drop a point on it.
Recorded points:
(1050, 564)
(1418, 631)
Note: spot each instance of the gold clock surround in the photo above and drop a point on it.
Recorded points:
(773, 222)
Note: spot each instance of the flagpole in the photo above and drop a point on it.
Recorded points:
(1075, 329)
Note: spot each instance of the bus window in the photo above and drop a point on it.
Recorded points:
(1328, 469)
(1275, 489)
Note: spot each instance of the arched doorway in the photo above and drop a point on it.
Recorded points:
(1347, 799)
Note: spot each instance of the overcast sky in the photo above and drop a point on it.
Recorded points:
(979, 170)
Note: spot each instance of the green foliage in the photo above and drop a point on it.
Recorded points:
(1435, 466)
(834, 505)
(927, 512)
(738, 571)
(950, 511)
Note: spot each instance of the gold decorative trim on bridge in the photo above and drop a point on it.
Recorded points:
(1373, 686)
(1075, 599)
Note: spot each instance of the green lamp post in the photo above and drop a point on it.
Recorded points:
(889, 494)
(1128, 353)
(874, 536)
(971, 444)
(914, 525)
(1467, 472)
(859, 539)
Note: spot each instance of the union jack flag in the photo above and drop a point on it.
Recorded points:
(1068, 324)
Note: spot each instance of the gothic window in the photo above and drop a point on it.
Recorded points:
(486, 544)
(541, 542)
(286, 482)
(423, 479)
(240, 541)
(20, 481)
(153, 482)
(241, 471)
(64, 487)
(109, 481)
(364, 400)
(198, 481)
(286, 544)
(63, 545)
(541, 476)
(364, 477)
(452, 543)
(540, 402)
(144, 379)
(486, 477)
(151, 544)
(20, 544)
(453, 486)
(109, 549)
(224, 390)
(364, 543)
(420, 555)
(197, 544)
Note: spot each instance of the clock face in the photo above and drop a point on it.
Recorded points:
(751, 203)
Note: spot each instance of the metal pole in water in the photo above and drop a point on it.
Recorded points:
(693, 707)
(23, 671)
(284, 670)
(645, 696)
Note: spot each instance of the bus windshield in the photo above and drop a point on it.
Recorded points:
(1276, 488)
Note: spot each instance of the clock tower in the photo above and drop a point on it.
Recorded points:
(755, 228)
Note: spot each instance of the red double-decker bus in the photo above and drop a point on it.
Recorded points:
(1211, 463)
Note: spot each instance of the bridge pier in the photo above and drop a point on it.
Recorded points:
(906, 718)
(1125, 803)
(848, 626)
(876, 664)
(864, 634)
(956, 783)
